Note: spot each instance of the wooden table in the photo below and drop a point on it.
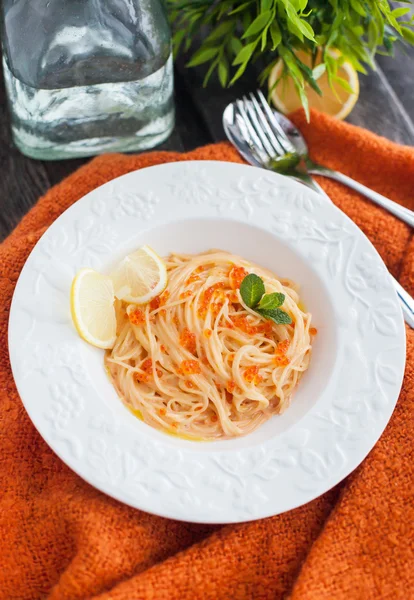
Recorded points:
(385, 106)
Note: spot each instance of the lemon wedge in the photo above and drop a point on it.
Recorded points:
(336, 102)
(140, 276)
(92, 307)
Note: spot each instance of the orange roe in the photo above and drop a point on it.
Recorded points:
(244, 324)
(205, 361)
(199, 269)
(313, 330)
(137, 317)
(189, 367)
(281, 360)
(251, 375)
(214, 418)
(176, 321)
(210, 291)
(233, 297)
(207, 333)
(265, 328)
(236, 276)
(142, 377)
(147, 365)
(190, 384)
(174, 425)
(231, 385)
(159, 300)
(188, 340)
(282, 347)
(163, 349)
(186, 294)
(162, 412)
(192, 279)
(230, 357)
(216, 308)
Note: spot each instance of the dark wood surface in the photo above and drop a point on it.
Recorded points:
(385, 106)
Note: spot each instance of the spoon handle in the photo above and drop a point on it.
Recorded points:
(401, 212)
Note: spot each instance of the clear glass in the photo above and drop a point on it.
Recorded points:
(85, 77)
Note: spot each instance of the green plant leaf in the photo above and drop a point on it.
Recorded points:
(221, 30)
(245, 53)
(344, 84)
(275, 34)
(277, 315)
(223, 71)
(258, 24)
(408, 34)
(235, 45)
(201, 56)
(271, 301)
(240, 8)
(252, 289)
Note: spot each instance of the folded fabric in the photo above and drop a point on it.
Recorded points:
(63, 540)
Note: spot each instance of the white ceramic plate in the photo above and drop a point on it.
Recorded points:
(342, 404)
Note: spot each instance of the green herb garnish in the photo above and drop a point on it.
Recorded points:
(252, 291)
(239, 32)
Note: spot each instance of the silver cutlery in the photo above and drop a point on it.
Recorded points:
(269, 136)
(269, 140)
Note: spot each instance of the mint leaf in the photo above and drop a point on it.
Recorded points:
(252, 289)
(278, 316)
(270, 301)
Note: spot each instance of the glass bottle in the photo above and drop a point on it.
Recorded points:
(85, 77)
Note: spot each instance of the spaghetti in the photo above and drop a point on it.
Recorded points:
(196, 361)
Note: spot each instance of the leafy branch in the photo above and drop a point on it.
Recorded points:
(240, 31)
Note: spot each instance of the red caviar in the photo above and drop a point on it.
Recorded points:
(176, 321)
(313, 330)
(236, 276)
(163, 349)
(199, 269)
(283, 347)
(189, 367)
(188, 340)
(214, 418)
(244, 324)
(251, 375)
(162, 412)
(281, 360)
(192, 279)
(190, 384)
(233, 297)
(207, 333)
(137, 317)
(142, 377)
(186, 294)
(231, 385)
(159, 300)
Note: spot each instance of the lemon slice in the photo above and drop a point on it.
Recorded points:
(92, 307)
(140, 276)
(336, 102)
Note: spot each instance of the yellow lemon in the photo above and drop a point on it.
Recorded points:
(140, 276)
(92, 307)
(335, 101)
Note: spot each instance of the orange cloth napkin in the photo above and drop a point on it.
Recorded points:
(61, 539)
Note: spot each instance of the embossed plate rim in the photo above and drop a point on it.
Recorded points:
(149, 471)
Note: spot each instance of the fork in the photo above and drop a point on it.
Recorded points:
(264, 144)
(264, 132)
